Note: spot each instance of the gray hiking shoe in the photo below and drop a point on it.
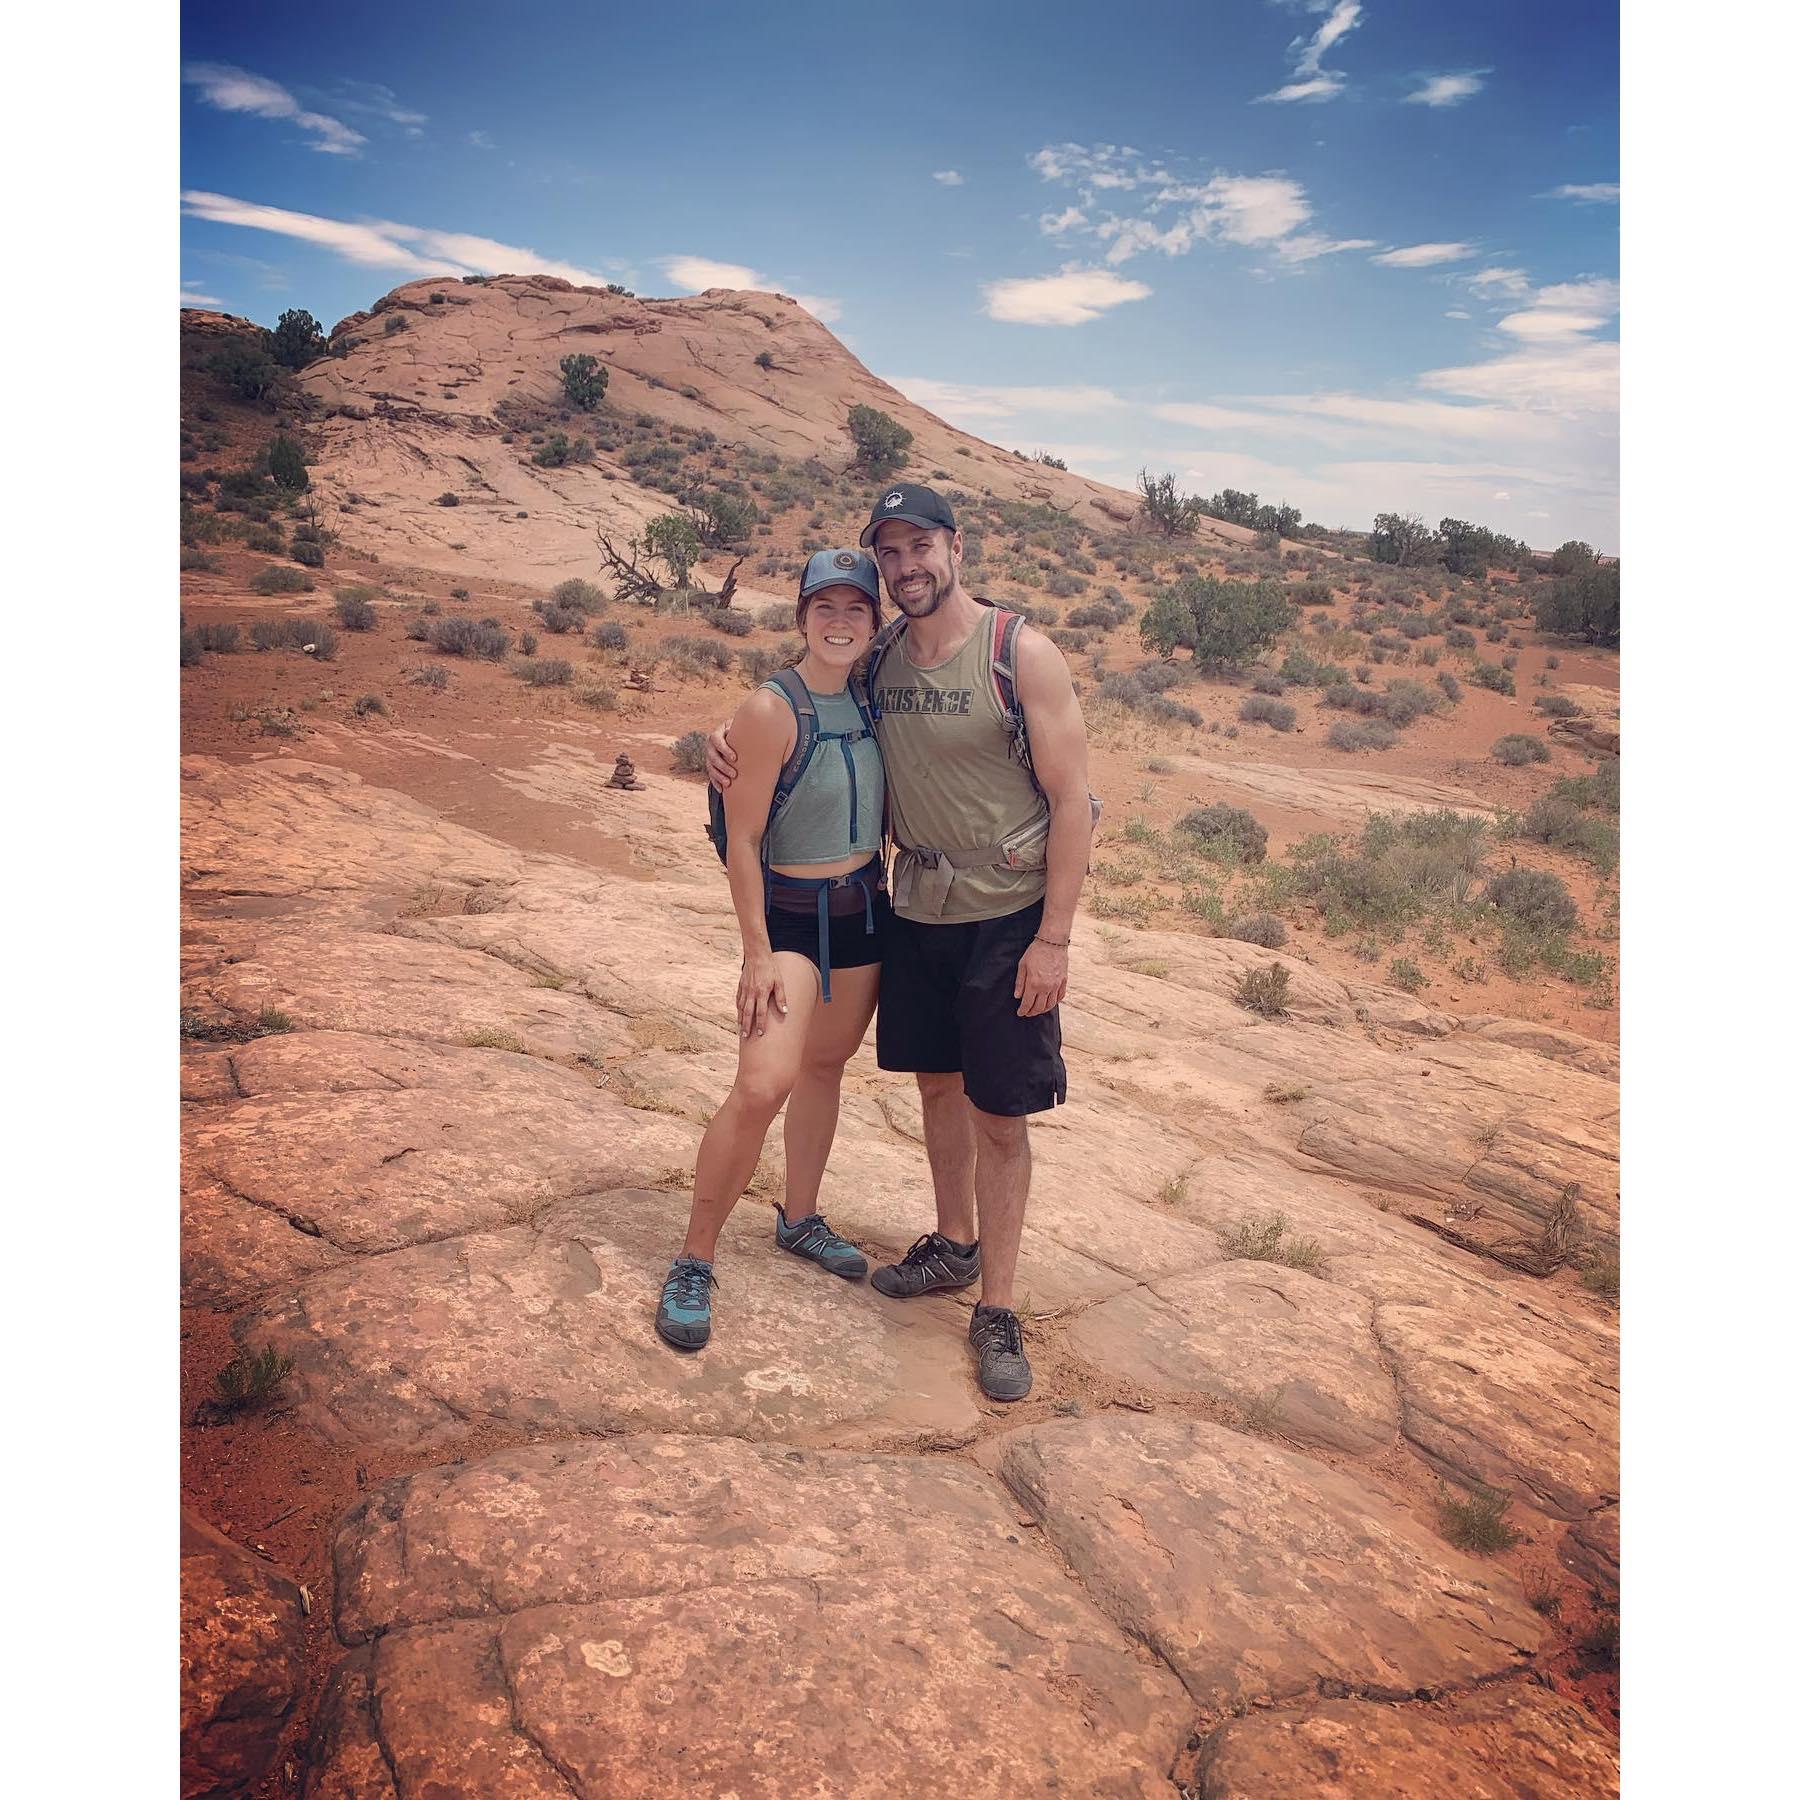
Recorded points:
(684, 1316)
(929, 1265)
(812, 1238)
(1004, 1373)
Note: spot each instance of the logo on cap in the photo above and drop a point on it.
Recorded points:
(845, 559)
(893, 499)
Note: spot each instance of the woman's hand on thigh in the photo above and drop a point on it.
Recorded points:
(761, 992)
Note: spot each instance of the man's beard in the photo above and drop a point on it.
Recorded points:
(921, 607)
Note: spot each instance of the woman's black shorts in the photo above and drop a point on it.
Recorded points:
(852, 945)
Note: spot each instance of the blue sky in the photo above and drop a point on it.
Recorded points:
(1357, 255)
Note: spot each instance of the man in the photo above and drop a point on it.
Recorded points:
(991, 857)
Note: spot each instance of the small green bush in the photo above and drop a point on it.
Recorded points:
(464, 637)
(370, 704)
(609, 635)
(1262, 929)
(1361, 734)
(278, 580)
(600, 699)
(190, 648)
(1260, 709)
(1226, 831)
(689, 753)
(1494, 678)
(1267, 1240)
(1405, 973)
(354, 611)
(1557, 706)
(1517, 748)
(1477, 1522)
(220, 638)
(1533, 897)
(248, 1380)
(578, 596)
(547, 672)
(732, 623)
(1451, 687)
(1264, 991)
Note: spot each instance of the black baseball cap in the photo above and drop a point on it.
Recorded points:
(916, 505)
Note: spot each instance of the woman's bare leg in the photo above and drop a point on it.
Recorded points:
(767, 1068)
(832, 1039)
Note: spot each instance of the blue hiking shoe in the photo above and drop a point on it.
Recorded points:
(812, 1238)
(684, 1317)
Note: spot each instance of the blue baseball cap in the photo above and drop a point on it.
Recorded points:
(834, 568)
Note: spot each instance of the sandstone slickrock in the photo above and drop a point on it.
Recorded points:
(548, 1327)
(242, 1660)
(1258, 1334)
(1512, 1743)
(1256, 1573)
(628, 1618)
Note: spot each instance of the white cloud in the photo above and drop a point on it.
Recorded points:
(1254, 209)
(1207, 417)
(1568, 309)
(1114, 167)
(1055, 224)
(1510, 282)
(413, 250)
(1303, 246)
(1456, 312)
(1422, 256)
(237, 90)
(962, 402)
(822, 307)
(1572, 378)
(1312, 81)
(696, 273)
(1447, 90)
(482, 141)
(190, 296)
(1072, 297)
(379, 102)
(948, 177)
(1602, 192)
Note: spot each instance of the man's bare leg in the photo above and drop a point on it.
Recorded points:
(950, 1148)
(1002, 1184)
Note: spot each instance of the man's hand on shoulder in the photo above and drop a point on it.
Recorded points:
(721, 759)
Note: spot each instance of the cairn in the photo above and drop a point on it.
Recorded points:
(624, 775)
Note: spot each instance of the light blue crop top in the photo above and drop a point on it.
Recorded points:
(814, 825)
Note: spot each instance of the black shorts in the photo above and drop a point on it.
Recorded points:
(853, 946)
(947, 1008)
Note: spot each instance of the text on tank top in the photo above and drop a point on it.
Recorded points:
(953, 780)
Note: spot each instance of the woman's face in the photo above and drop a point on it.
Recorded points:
(839, 625)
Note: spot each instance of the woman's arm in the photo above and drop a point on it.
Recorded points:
(763, 733)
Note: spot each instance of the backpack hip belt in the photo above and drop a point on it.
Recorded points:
(868, 878)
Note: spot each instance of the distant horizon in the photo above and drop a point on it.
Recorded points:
(1360, 258)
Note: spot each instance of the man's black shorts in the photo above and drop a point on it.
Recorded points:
(947, 1007)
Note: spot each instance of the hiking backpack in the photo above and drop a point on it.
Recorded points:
(807, 739)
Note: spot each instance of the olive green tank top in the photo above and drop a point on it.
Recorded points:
(969, 823)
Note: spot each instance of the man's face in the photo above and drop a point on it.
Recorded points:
(919, 565)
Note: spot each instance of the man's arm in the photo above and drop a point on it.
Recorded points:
(1059, 758)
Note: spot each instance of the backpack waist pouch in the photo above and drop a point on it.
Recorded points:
(829, 896)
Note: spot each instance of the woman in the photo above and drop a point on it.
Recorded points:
(807, 884)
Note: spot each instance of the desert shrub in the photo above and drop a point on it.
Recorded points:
(248, 1380)
(1260, 709)
(1218, 621)
(777, 617)
(1405, 973)
(528, 643)
(584, 381)
(1494, 678)
(1360, 734)
(464, 637)
(277, 580)
(579, 596)
(1308, 671)
(193, 558)
(247, 369)
(1227, 833)
(1266, 681)
(1264, 991)
(1400, 867)
(547, 672)
(396, 322)
(1311, 593)
(1267, 1240)
(310, 555)
(1262, 929)
(219, 639)
(1061, 585)
(558, 620)
(447, 499)
(370, 703)
(1450, 686)
(1518, 748)
(1477, 1522)
(1347, 697)
(881, 442)
(190, 647)
(418, 628)
(1495, 634)
(688, 753)
(1457, 639)
(353, 609)
(1509, 662)
(561, 449)
(608, 635)
(1407, 700)
(1560, 822)
(1428, 656)
(1557, 706)
(732, 623)
(434, 676)
(287, 465)
(1533, 897)
(1599, 789)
